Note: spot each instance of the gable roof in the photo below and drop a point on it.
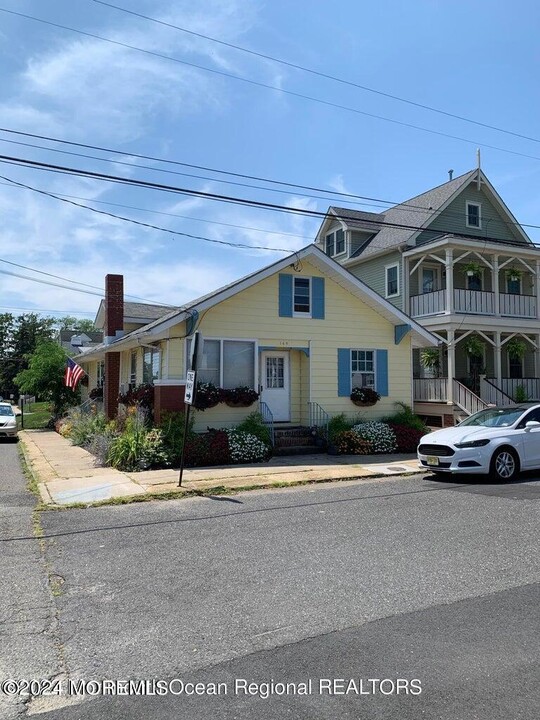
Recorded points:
(396, 225)
(135, 312)
(332, 269)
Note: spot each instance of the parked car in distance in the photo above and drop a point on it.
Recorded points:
(497, 441)
(8, 421)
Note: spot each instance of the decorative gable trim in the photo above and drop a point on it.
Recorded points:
(400, 331)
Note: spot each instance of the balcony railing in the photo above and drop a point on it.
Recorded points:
(430, 389)
(473, 302)
(509, 386)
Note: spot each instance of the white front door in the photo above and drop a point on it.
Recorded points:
(275, 384)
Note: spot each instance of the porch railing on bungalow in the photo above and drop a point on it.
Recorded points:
(517, 305)
(268, 418)
(318, 418)
(466, 399)
(509, 386)
(430, 389)
(493, 394)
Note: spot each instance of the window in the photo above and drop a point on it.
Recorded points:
(302, 296)
(133, 369)
(151, 365)
(226, 363)
(392, 280)
(430, 279)
(473, 215)
(513, 287)
(474, 282)
(335, 243)
(515, 367)
(100, 374)
(363, 368)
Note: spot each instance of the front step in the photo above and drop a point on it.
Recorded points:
(295, 440)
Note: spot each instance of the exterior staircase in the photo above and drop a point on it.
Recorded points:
(296, 440)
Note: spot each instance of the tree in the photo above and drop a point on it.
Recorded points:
(19, 337)
(45, 377)
(69, 322)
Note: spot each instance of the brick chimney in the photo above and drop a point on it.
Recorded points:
(114, 329)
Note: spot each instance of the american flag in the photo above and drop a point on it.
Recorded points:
(73, 374)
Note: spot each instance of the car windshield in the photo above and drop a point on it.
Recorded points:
(495, 417)
(6, 410)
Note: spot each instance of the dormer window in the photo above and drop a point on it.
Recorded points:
(335, 243)
(473, 215)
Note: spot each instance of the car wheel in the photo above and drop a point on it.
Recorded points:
(504, 465)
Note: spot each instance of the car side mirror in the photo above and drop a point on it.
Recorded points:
(532, 424)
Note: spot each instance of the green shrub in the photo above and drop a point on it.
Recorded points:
(254, 425)
(172, 427)
(337, 424)
(137, 448)
(520, 394)
(84, 426)
(405, 416)
(348, 442)
(379, 434)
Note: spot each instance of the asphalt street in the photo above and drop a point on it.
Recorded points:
(402, 578)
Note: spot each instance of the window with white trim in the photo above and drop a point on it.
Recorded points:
(100, 374)
(363, 368)
(473, 212)
(151, 365)
(335, 243)
(133, 369)
(392, 280)
(302, 296)
(226, 363)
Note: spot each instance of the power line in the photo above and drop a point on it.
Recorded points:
(408, 207)
(201, 167)
(319, 73)
(267, 86)
(174, 172)
(305, 212)
(167, 214)
(48, 310)
(48, 282)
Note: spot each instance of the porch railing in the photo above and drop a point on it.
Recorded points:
(492, 394)
(318, 418)
(476, 302)
(466, 399)
(428, 304)
(509, 386)
(430, 389)
(517, 305)
(473, 302)
(268, 418)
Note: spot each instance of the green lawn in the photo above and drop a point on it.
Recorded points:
(37, 417)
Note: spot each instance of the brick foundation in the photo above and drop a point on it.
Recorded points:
(111, 387)
(448, 420)
(168, 398)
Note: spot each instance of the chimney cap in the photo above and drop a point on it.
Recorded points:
(450, 174)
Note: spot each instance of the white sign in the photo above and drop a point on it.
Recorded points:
(190, 387)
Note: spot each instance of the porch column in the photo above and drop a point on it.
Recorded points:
(496, 294)
(498, 363)
(537, 294)
(537, 358)
(451, 364)
(449, 266)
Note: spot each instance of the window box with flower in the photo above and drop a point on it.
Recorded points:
(364, 396)
(243, 396)
(207, 396)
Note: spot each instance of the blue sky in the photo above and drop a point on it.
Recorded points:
(478, 60)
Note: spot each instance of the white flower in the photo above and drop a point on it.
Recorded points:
(379, 434)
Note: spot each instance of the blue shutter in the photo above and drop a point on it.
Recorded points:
(285, 295)
(317, 298)
(381, 381)
(344, 372)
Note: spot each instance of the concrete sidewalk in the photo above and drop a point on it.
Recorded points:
(66, 474)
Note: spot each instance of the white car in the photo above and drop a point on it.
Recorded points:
(498, 441)
(8, 421)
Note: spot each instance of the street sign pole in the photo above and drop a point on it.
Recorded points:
(189, 395)
(22, 413)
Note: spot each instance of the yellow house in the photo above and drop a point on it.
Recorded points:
(302, 332)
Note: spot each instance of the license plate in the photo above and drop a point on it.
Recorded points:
(432, 460)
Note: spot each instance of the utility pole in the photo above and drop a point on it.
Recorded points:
(189, 394)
